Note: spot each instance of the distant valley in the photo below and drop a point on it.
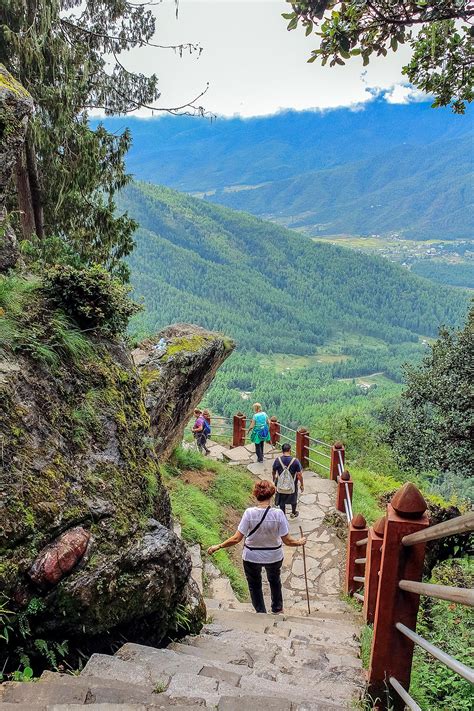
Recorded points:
(387, 177)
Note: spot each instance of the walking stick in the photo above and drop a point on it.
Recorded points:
(305, 574)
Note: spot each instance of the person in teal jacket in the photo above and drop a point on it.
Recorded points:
(260, 428)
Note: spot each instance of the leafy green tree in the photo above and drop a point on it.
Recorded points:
(67, 54)
(440, 34)
(431, 428)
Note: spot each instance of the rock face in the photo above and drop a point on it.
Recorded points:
(16, 105)
(186, 358)
(85, 521)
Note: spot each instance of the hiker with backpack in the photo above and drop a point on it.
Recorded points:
(287, 475)
(264, 529)
(260, 428)
(201, 431)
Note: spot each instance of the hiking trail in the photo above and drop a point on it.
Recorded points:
(241, 659)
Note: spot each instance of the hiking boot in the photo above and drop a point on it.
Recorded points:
(294, 515)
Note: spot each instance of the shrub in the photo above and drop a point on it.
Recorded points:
(90, 296)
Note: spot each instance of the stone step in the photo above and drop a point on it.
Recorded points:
(258, 641)
(105, 667)
(100, 690)
(283, 626)
(271, 663)
(215, 652)
(170, 662)
(41, 694)
(231, 703)
(321, 609)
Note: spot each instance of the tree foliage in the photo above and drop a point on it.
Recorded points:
(67, 54)
(440, 34)
(431, 429)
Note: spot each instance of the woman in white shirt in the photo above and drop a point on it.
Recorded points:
(264, 529)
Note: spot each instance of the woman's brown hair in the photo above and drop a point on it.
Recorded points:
(263, 490)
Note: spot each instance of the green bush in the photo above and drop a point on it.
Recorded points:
(450, 627)
(90, 296)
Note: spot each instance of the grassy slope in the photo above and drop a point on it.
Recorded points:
(208, 509)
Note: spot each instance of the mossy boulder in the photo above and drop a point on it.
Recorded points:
(186, 358)
(81, 444)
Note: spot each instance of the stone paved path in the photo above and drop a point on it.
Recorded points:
(324, 550)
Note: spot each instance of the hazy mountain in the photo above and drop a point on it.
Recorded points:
(382, 168)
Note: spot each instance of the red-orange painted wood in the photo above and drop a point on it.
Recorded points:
(341, 491)
(333, 466)
(392, 652)
(302, 446)
(372, 568)
(357, 531)
(238, 431)
(274, 431)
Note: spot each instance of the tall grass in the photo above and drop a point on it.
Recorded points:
(29, 325)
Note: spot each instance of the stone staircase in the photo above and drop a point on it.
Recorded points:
(241, 660)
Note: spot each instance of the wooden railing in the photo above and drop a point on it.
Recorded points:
(383, 571)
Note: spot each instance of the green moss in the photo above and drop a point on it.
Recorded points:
(149, 376)
(9, 83)
(186, 345)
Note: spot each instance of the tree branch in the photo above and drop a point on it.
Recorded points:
(143, 43)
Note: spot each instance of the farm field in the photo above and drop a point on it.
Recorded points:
(445, 261)
(287, 361)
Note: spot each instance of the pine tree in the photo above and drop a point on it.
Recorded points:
(68, 174)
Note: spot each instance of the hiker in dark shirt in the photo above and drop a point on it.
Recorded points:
(286, 460)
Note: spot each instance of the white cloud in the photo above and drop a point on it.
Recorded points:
(254, 66)
(404, 94)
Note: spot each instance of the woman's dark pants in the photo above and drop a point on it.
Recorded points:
(253, 573)
(259, 451)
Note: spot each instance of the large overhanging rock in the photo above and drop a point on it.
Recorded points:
(85, 520)
(16, 106)
(178, 366)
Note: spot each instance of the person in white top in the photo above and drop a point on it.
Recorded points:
(264, 529)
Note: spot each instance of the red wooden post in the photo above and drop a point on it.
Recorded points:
(341, 490)
(336, 448)
(357, 531)
(302, 446)
(238, 433)
(392, 652)
(372, 567)
(274, 431)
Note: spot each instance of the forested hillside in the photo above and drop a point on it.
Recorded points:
(271, 289)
